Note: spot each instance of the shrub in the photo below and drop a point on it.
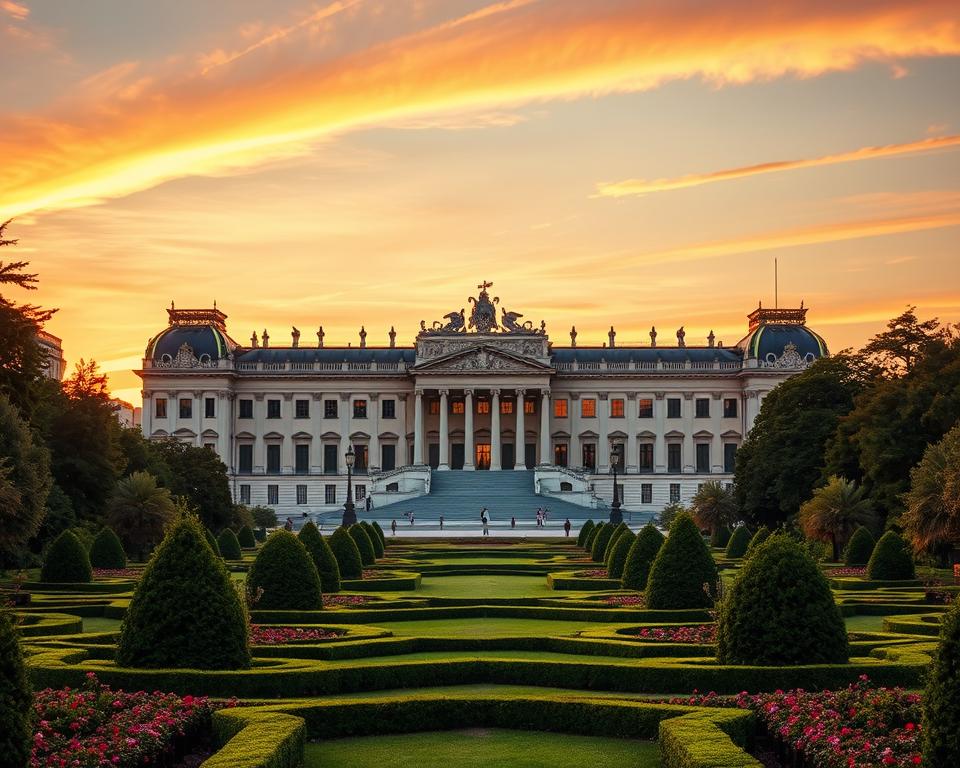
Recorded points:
(617, 558)
(67, 561)
(762, 534)
(246, 538)
(374, 539)
(859, 548)
(739, 542)
(229, 545)
(941, 699)
(591, 537)
(380, 533)
(185, 611)
(720, 537)
(107, 550)
(619, 531)
(600, 542)
(584, 532)
(364, 545)
(780, 611)
(348, 556)
(891, 560)
(683, 570)
(265, 517)
(212, 541)
(640, 557)
(323, 558)
(283, 576)
(15, 698)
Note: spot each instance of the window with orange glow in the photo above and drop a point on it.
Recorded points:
(588, 407)
(616, 408)
(560, 408)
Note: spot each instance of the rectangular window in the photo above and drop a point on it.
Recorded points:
(210, 446)
(359, 409)
(645, 408)
(483, 405)
(330, 453)
(506, 406)
(560, 408)
(560, 455)
(588, 407)
(730, 408)
(457, 407)
(273, 494)
(246, 409)
(646, 457)
(433, 407)
(273, 409)
(616, 408)
(646, 493)
(161, 408)
(673, 457)
(209, 408)
(245, 458)
(703, 408)
(186, 408)
(674, 493)
(330, 494)
(360, 491)
(703, 457)
(388, 409)
(388, 457)
(590, 455)
(244, 494)
(301, 494)
(273, 459)
(729, 457)
(529, 406)
(329, 409)
(301, 409)
(302, 454)
(673, 407)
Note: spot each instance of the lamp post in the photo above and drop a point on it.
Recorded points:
(349, 516)
(616, 516)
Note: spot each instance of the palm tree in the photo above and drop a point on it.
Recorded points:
(836, 510)
(139, 511)
(713, 507)
(932, 518)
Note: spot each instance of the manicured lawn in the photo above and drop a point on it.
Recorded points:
(100, 624)
(864, 623)
(483, 585)
(482, 748)
(486, 627)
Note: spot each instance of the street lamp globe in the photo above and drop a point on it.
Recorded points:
(350, 457)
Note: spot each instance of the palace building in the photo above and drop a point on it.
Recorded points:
(480, 391)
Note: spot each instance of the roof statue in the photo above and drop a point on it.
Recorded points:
(393, 337)
(573, 335)
(320, 335)
(254, 341)
(711, 338)
(681, 335)
(653, 336)
(295, 334)
(265, 337)
(363, 337)
(483, 318)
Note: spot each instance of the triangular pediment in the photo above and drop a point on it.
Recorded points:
(485, 359)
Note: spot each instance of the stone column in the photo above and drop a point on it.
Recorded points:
(444, 430)
(632, 458)
(468, 449)
(286, 451)
(259, 451)
(373, 416)
(716, 422)
(345, 417)
(659, 442)
(146, 413)
(402, 452)
(494, 429)
(520, 441)
(575, 454)
(688, 458)
(224, 420)
(197, 396)
(545, 457)
(418, 428)
(752, 409)
(603, 427)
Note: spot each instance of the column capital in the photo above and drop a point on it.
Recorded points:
(258, 396)
(318, 396)
(688, 395)
(717, 395)
(468, 393)
(444, 392)
(288, 396)
(545, 394)
(345, 396)
(602, 395)
(495, 393)
(631, 395)
(520, 392)
(374, 396)
(659, 395)
(752, 393)
(418, 392)
(197, 393)
(145, 394)
(402, 397)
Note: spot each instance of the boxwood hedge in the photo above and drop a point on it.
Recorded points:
(891, 559)
(15, 699)
(859, 548)
(364, 545)
(66, 561)
(640, 557)
(941, 700)
(323, 557)
(617, 558)
(584, 532)
(599, 547)
(229, 545)
(683, 570)
(283, 575)
(348, 556)
(739, 542)
(107, 550)
(246, 537)
(374, 539)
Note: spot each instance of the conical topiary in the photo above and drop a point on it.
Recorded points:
(891, 559)
(941, 699)
(720, 537)
(16, 698)
(780, 611)
(859, 548)
(348, 556)
(380, 533)
(739, 542)
(584, 532)
(619, 531)
(762, 534)
(683, 571)
(618, 555)
(186, 610)
(591, 537)
(600, 541)
(374, 539)
(107, 550)
(283, 576)
(229, 545)
(322, 556)
(212, 541)
(640, 557)
(246, 538)
(67, 561)
(364, 545)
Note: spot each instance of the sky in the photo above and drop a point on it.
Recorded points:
(369, 162)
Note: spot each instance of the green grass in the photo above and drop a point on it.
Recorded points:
(483, 585)
(100, 624)
(486, 627)
(482, 748)
(864, 623)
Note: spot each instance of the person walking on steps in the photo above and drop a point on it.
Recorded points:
(566, 527)
(441, 522)
(393, 527)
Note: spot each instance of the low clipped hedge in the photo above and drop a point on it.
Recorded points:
(584, 532)
(374, 539)
(891, 559)
(323, 557)
(570, 581)
(252, 738)
(348, 556)
(600, 541)
(246, 537)
(362, 539)
(859, 548)
(229, 545)
(283, 575)
(739, 542)
(617, 558)
(683, 570)
(710, 738)
(640, 557)
(66, 562)
(106, 551)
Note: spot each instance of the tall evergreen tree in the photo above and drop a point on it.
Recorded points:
(200, 478)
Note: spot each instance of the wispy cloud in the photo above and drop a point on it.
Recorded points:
(634, 187)
(16, 10)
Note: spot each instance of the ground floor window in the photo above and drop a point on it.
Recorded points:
(729, 457)
(482, 458)
(674, 493)
(273, 494)
(646, 493)
(560, 454)
(244, 494)
(330, 494)
(703, 457)
(361, 492)
(673, 457)
(645, 463)
(301, 494)
(590, 455)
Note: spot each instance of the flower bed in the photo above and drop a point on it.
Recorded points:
(96, 726)
(117, 573)
(262, 635)
(631, 601)
(700, 634)
(596, 573)
(836, 572)
(335, 600)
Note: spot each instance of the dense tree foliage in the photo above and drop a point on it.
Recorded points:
(198, 475)
(941, 699)
(139, 511)
(932, 519)
(229, 545)
(714, 507)
(246, 538)
(720, 537)
(859, 548)
(739, 542)
(283, 576)
(16, 726)
(762, 534)
(836, 510)
(683, 574)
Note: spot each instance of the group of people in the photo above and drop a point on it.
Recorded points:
(542, 516)
(485, 521)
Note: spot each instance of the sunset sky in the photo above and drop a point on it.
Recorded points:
(368, 162)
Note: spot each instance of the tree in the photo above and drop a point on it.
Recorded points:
(348, 556)
(229, 545)
(283, 576)
(67, 561)
(891, 560)
(16, 698)
(374, 539)
(323, 557)
(599, 547)
(246, 538)
(621, 530)
(941, 699)
(859, 548)
(739, 542)
(720, 537)
(640, 557)
(107, 550)
(668, 513)
(264, 517)
(200, 478)
(835, 512)
(896, 350)
(932, 518)
(713, 507)
(683, 573)
(762, 534)
(139, 511)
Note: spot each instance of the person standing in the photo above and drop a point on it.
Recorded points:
(393, 526)
(566, 527)
(486, 527)
(411, 518)
(368, 503)
(441, 522)
(513, 522)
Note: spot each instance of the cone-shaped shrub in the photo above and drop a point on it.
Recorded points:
(67, 561)
(762, 534)
(107, 550)
(780, 611)
(364, 545)
(619, 531)
(681, 569)
(15, 699)
(584, 532)
(229, 545)
(348, 556)
(618, 555)
(600, 541)
(246, 538)
(941, 699)
(322, 556)
(212, 541)
(283, 576)
(186, 611)
(891, 559)
(379, 530)
(739, 541)
(720, 537)
(859, 548)
(374, 539)
(592, 536)
(640, 557)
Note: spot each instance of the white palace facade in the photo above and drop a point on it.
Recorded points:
(480, 391)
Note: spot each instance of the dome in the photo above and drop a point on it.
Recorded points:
(781, 338)
(193, 337)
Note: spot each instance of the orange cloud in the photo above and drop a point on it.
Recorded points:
(632, 187)
(16, 10)
(516, 53)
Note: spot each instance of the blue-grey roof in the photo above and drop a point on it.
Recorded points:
(328, 355)
(202, 339)
(645, 354)
(771, 340)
